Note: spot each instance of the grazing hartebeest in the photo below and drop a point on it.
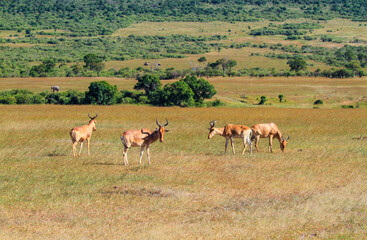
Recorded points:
(232, 131)
(80, 134)
(141, 138)
(268, 130)
(55, 88)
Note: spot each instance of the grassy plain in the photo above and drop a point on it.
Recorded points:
(317, 189)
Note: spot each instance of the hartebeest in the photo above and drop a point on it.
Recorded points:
(268, 130)
(142, 138)
(232, 131)
(83, 133)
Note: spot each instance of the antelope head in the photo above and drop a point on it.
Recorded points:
(93, 121)
(212, 129)
(161, 129)
(283, 143)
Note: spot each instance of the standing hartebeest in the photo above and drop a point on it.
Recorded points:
(80, 134)
(55, 88)
(232, 131)
(141, 138)
(268, 130)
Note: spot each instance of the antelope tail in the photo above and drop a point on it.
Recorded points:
(249, 137)
(72, 134)
(123, 141)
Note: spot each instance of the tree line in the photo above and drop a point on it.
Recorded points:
(187, 92)
(99, 17)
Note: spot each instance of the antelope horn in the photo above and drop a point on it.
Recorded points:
(92, 117)
(212, 123)
(166, 123)
(157, 122)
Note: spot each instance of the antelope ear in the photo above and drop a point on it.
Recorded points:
(166, 130)
(156, 129)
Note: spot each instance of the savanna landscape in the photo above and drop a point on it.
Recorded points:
(300, 65)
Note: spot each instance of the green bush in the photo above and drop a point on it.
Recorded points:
(201, 88)
(143, 99)
(24, 98)
(127, 100)
(262, 100)
(347, 106)
(179, 94)
(149, 83)
(52, 98)
(8, 100)
(38, 99)
(101, 93)
(318, 102)
(215, 103)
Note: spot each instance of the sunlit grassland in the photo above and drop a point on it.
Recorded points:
(297, 91)
(241, 56)
(239, 31)
(191, 190)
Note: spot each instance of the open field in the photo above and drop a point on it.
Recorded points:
(317, 189)
(241, 56)
(299, 92)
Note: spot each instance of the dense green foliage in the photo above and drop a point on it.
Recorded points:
(288, 29)
(297, 64)
(187, 92)
(149, 83)
(62, 53)
(99, 17)
(101, 93)
(107, 48)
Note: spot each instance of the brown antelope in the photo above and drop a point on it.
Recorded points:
(141, 138)
(83, 133)
(232, 131)
(268, 130)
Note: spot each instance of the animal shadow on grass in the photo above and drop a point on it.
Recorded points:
(55, 153)
(123, 191)
(132, 168)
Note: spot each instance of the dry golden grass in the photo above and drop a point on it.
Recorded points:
(317, 189)
(242, 56)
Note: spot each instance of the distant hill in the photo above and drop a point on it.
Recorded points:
(102, 17)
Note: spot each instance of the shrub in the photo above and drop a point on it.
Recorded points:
(52, 98)
(262, 100)
(23, 98)
(281, 96)
(127, 100)
(201, 88)
(215, 103)
(143, 99)
(101, 93)
(149, 83)
(8, 100)
(38, 99)
(347, 106)
(179, 94)
(318, 102)
(297, 64)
